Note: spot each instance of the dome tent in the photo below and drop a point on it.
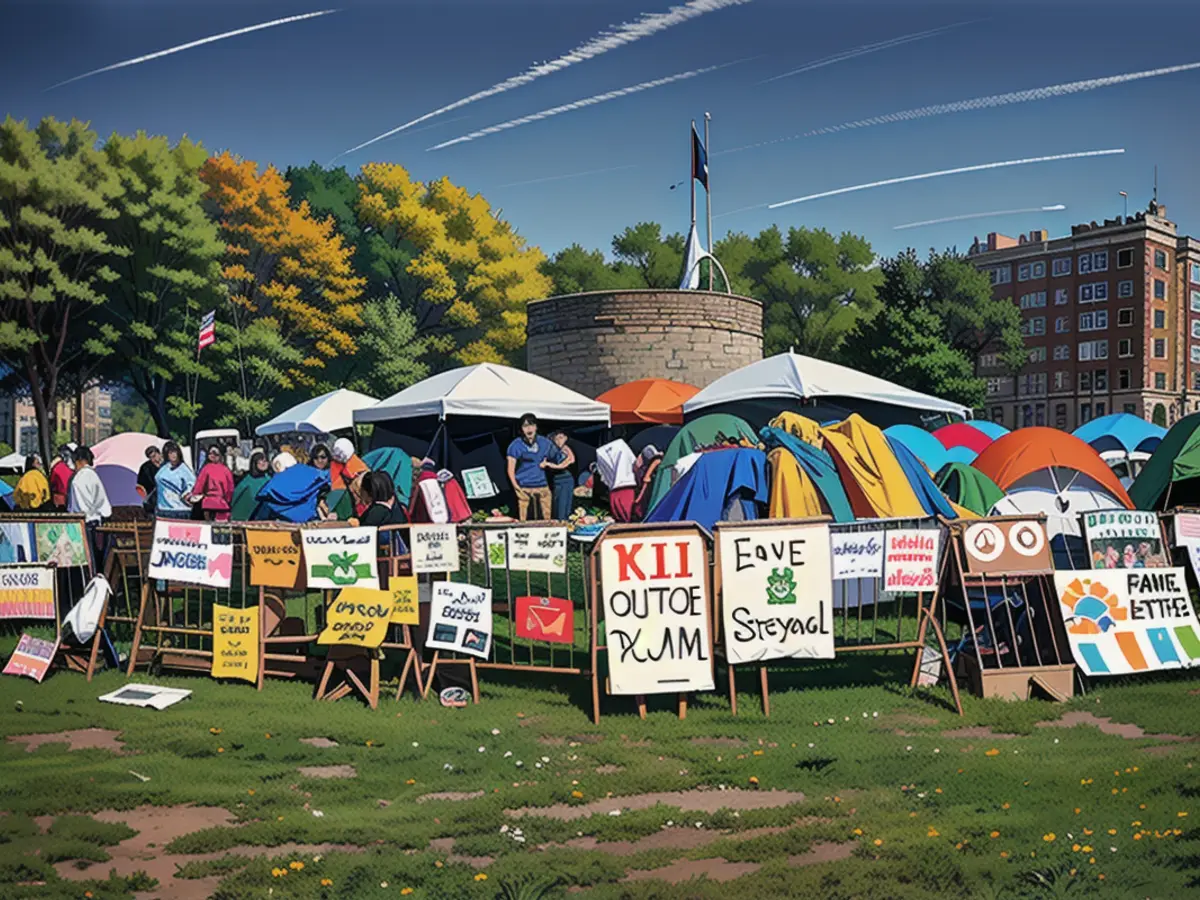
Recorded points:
(1171, 477)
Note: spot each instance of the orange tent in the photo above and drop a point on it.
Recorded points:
(1009, 459)
(648, 400)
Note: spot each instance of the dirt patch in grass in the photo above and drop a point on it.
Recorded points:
(718, 742)
(585, 738)
(322, 743)
(905, 720)
(552, 741)
(80, 739)
(609, 769)
(644, 742)
(705, 801)
(822, 853)
(451, 795)
(342, 771)
(978, 733)
(1129, 731)
(716, 869)
(671, 839)
(445, 846)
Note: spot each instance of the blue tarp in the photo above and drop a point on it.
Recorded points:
(923, 444)
(6, 501)
(718, 478)
(1121, 431)
(932, 500)
(819, 467)
(292, 495)
(396, 463)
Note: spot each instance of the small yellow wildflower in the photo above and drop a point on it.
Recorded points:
(578, 795)
(482, 876)
(1182, 815)
(220, 749)
(1112, 831)
(214, 731)
(1075, 848)
(404, 892)
(1087, 848)
(992, 752)
(933, 832)
(754, 779)
(250, 792)
(411, 781)
(878, 842)
(438, 864)
(297, 865)
(1137, 837)
(758, 753)
(994, 835)
(326, 882)
(937, 790)
(1004, 806)
(1049, 837)
(857, 832)
(1004, 854)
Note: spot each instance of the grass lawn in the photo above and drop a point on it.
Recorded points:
(890, 796)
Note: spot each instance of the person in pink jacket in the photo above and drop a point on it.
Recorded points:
(214, 487)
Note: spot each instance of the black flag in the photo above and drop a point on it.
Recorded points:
(699, 159)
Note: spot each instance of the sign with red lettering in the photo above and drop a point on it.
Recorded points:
(32, 658)
(910, 560)
(546, 619)
(655, 595)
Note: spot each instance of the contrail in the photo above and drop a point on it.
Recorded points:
(564, 177)
(864, 50)
(580, 104)
(942, 109)
(959, 171)
(188, 46)
(982, 215)
(647, 25)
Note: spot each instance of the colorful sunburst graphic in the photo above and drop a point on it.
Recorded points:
(1094, 608)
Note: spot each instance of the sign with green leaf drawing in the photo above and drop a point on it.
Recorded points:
(340, 557)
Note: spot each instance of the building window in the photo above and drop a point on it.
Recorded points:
(1160, 348)
(1124, 288)
(1093, 321)
(1001, 274)
(1125, 316)
(1196, 328)
(1160, 381)
(1100, 410)
(987, 361)
(1060, 415)
(1100, 261)
(1160, 259)
(1061, 266)
(1196, 301)
(1195, 353)
(1037, 355)
(1062, 325)
(1093, 350)
(1160, 289)
(1195, 273)
(998, 415)
(1085, 263)
(1061, 296)
(1039, 270)
(1093, 293)
(1160, 318)
(1125, 347)
(1023, 272)
(1085, 413)
(1062, 351)
(1125, 258)
(1131, 408)
(1062, 381)
(1040, 415)
(1196, 381)
(993, 386)
(1034, 300)
(1085, 381)
(1102, 379)
(1034, 326)
(1122, 379)
(1027, 415)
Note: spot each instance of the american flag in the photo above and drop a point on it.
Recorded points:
(207, 330)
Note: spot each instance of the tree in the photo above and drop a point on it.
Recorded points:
(574, 270)
(658, 260)
(57, 191)
(974, 321)
(390, 349)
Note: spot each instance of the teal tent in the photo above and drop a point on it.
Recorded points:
(702, 433)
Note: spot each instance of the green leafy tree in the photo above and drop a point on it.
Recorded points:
(575, 270)
(656, 259)
(390, 350)
(974, 320)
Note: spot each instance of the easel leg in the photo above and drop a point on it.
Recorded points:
(941, 639)
(640, 700)
(732, 690)
(429, 675)
(325, 676)
(91, 666)
(474, 681)
(766, 694)
(683, 706)
(595, 698)
(137, 630)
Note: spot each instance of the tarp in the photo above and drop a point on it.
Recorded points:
(922, 443)
(655, 400)
(874, 480)
(718, 480)
(1121, 431)
(932, 500)
(817, 467)
(962, 434)
(488, 390)
(800, 426)
(1176, 459)
(321, 415)
(968, 487)
(1017, 455)
(118, 459)
(292, 495)
(703, 432)
(397, 464)
(793, 494)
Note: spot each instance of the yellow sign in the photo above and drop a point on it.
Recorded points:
(274, 557)
(358, 617)
(235, 642)
(403, 589)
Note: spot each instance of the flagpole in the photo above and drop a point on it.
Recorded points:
(692, 169)
(708, 195)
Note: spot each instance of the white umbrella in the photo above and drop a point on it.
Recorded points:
(321, 415)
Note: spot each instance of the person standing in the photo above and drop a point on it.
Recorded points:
(526, 457)
(60, 477)
(214, 487)
(89, 499)
(32, 492)
(173, 482)
(380, 492)
(614, 463)
(644, 470)
(562, 463)
(245, 495)
(319, 457)
(145, 478)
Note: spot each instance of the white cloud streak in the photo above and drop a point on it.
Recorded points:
(645, 26)
(981, 215)
(864, 50)
(565, 177)
(944, 172)
(580, 104)
(188, 46)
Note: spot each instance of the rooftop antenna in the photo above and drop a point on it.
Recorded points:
(1156, 185)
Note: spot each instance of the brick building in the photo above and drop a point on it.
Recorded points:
(1111, 318)
(18, 420)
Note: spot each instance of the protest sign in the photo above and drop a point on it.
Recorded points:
(1124, 539)
(434, 548)
(655, 597)
(26, 592)
(545, 619)
(403, 590)
(460, 618)
(776, 592)
(540, 549)
(235, 642)
(1006, 546)
(274, 557)
(357, 617)
(191, 553)
(340, 557)
(910, 562)
(856, 554)
(61, 543)
(32, 658)
(1128, 620)
(477, 483)
(497, 548)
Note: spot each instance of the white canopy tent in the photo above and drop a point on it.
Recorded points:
(796, 377)
(321, 415)
(488, 390)
(14, 462)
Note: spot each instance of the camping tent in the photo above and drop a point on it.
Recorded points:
(1172, 475)
(327, 414)
(994, 430)
(1121, 431)
(118, 459)
(924, 445)
(757, 392)
(723, 485)
(648, 400)
(14, 462)
(804, 480)
(968, 487)
(963, 434)
(707, 431)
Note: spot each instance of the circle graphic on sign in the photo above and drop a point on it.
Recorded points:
(1027, 538)
(985, 541)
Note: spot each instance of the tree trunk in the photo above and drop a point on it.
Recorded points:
(78, 430)
(44, 416)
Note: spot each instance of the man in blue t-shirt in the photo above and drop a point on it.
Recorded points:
(527, 456)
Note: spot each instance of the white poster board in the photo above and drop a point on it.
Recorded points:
(856, 554)
(910, 560)
(538, 549)
(434, 548)
(191, 553)
(460, 619)
(477, 483)
(341, 557)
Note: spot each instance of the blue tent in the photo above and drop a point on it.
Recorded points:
(6, 501)
(819, 467)
(964, 455)
(1121, 431)
(992, 429)
(924, 445)
(932, 500)
(292, 495)
(722, 485)
(398, 464)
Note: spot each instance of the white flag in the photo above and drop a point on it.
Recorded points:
(691, 271)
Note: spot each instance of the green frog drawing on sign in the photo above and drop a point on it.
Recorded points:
(781, 586)
(344, 569)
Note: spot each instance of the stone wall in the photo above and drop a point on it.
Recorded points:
(593, 342)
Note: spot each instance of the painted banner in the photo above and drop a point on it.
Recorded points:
(191, 553)
(26, 592)
(477, 483)
(997, 547)
(1131, 620)
(910, 559)
(274, 557)
(497, 548)
(545, 619)
(61, 543)
(540, 549)
(16, 543)
(340, 557)
(655, 598)
(403, 590)
(434, 548)
(32, 658)
(357, 617)
(856, 554)
(460, 618)
(1124, 539)
(776, 592)
(235, 643)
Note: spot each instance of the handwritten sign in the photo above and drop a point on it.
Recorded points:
(545, 619)
(26, 592)
(434, 548)
(910, 563)
(1128, 620)
(191, 553)
(358, 617)
(656, 598)
(340, 557)
(274, 557)
(540, 549)
(478, 483)
(235, 643)
(32, 658)
(460, 618)
(61, 543)
(497, 549)
(1124, 539)
(403, 589)
(857, 554)
(1003, 546)
(777, 594)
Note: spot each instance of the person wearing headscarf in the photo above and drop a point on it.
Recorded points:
(282, 462)
(60, 477)
(245, 495)
(644, 468)
(33, 490)
(172, 484)
(346, 465)
(213, 489)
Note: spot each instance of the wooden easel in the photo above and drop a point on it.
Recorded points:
(342, 660)
(469, 662)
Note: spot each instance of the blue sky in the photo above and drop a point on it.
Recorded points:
(310, 90)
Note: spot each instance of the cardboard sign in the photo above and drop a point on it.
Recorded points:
(910, 560)
(656, 599)
(61, 543)
(274, 558)
(358, 617)
(997, 547)
(1124, 539)
(477, 483)
(497, 549)
(32, 658)
(856, 554)
(235, 643)
(191, 553)
(545, 619)
(403, 590)
(776, 592)
(434, 548)
(1128, 620)
(540, 549)
(340, 557)
(460, 619)
(26, 592)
